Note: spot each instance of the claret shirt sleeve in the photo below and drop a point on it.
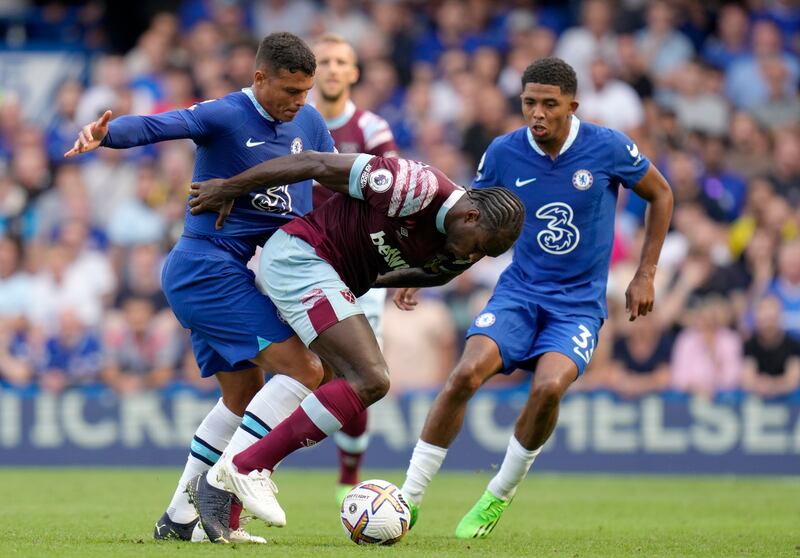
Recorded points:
(395, 187)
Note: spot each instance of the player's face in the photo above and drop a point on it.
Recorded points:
(336, 70)
(469, 241)
(282, 93)
(547, 111)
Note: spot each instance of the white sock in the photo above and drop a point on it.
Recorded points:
(279, 397)
(425, 463)
(209, 440)
(513, 470)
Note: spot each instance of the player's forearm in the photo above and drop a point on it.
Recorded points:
(412, 277)
(130, 131)
(659, 215)
(330, 169)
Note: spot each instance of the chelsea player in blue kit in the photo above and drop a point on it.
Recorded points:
(235, 330)
(549, 305)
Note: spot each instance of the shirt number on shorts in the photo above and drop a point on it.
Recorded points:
(584, 343)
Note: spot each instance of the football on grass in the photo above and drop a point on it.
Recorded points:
(375, 512)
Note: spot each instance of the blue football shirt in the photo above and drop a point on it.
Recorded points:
(562, 256)
(233, 134)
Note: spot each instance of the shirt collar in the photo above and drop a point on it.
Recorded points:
(447, 206)
(574, 126)
(339, 121)
(261, 110)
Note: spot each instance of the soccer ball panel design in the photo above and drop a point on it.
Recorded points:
(375, 512)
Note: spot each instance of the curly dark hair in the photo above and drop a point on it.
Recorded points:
(285, 51)
(552, 71)
(502, 213)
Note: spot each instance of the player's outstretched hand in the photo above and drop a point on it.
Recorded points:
(640, 296)
(210, 195)
(405, 298)
(91, 135)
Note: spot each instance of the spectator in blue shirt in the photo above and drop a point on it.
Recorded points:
(72, 356)
(729, 42)
(745, 83)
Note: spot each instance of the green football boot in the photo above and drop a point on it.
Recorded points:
(342, 490)
(414, 509)
(482, 518)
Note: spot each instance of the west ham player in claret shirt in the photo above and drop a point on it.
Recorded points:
(354, 131)
(396, 223)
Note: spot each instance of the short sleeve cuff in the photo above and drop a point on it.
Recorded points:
(355, 175)
(631, 179)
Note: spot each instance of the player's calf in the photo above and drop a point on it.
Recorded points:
(463, 382)
(292, 358)
(371, 385)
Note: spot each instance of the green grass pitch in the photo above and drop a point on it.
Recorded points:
(106, 513)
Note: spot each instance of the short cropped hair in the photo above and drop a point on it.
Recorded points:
(285, 51)
(335, 39)
(552, 71)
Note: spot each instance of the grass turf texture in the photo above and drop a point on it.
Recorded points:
(110, 512)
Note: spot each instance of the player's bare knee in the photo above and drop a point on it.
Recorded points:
(548, 392)
(373, 386)
(237, 400)
(308, 370)
(239, 388)
(464, 381)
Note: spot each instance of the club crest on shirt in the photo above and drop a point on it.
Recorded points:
(297, 146)
(485, 320)
(380, 180)
(582, 179)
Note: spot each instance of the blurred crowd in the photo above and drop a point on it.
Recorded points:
(708, 90)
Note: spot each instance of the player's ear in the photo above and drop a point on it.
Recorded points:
(473, 215)
(573, 105)
(260, 77)
(355, 75)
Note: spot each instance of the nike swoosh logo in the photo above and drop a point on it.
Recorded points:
(251, 143)
(519, 183)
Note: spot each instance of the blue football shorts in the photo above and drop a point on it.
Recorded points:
(524, 330)
(214, 295)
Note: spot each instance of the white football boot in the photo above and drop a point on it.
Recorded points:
(256, 490)
(237, 536)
